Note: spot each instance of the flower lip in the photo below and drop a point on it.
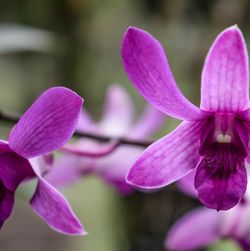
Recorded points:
(221, 175)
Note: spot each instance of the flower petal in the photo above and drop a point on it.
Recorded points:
(196, 229)
(150, 121)
(221, 180)
(6, 203)
(93, 150)
(85, 122)
(225, 77)
(14, 169)
(168, 159)
(47, 124)
(113, 167)
(66, 170)
(53, 207)
(186, 184)
(147, 68)
(118, 112)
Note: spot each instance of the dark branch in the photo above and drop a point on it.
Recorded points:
(14, 117)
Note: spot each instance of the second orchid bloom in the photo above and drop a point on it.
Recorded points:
(212, 139)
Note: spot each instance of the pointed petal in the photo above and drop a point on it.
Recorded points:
(118, 112)
(53, 207)
(47, 124)
(221, 181)
(150, 121)
(6, 204)
(147, 68)
(196, 229)
(168, 159)
(225, 77)
(186, 184)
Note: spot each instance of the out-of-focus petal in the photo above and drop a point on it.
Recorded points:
(90, 151)
(53, 207)
(6, 203)
(118, 112)
(85, 122)
(186, 184)
(198, 228)
(150, 121)
(225, 77)
(147, 68)
(67, 170)
(168, 159)
(114, 167)
(47, 124)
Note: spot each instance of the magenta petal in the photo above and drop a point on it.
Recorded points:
(198, 228)
(225, 77)
(14, 169)
(47, 124)
(6, 203)
(118, 112)
(147, 68)
(51, 205)
(168, 159)
(217, 187)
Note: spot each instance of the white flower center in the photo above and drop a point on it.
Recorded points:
(223, 138)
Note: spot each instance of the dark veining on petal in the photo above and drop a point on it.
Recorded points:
(221, 175)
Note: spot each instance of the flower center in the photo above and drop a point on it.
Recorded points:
(223, 138)
(221, 175)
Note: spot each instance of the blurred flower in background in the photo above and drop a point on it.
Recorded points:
(202, 226)
(109, 160)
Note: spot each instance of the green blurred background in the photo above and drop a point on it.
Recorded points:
(81, 49)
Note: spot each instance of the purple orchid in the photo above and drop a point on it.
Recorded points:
(45, 126)
(213, 138)
(202, 226)
(105, 159)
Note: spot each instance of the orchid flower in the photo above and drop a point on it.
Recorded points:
(45, 126)
(212, 139)
(105, 159)
(202, 226)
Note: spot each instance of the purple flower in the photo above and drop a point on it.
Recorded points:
(45, 126)
(213, 138)
(89, 157)
(202, 226)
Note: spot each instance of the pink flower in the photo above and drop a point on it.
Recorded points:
(201, 227)
(90, 157)
(45, 126)
(212, 139)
